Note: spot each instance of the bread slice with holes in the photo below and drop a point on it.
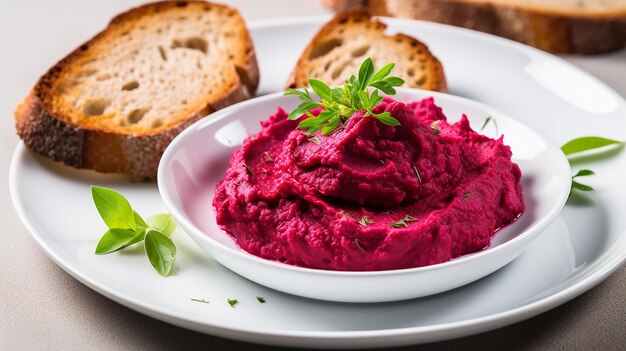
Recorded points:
(117, 101)
(342, 44)
(562, 26)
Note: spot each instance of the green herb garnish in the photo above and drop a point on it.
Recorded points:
(341, 103)
(232, 302)
(582, 173)
(127, 227)
(358, 245)
(346, 214)
(261, 299)
(583, 144)
(404, 222)
(434, 125)
(588, 143)
(364, 221)
(249, 169)
(467, 194)
(417, 174)
(492, 120)
(315, 139)
(200, 300)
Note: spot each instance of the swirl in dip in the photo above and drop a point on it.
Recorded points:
(369, 196)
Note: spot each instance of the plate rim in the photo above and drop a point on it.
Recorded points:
(600, 270)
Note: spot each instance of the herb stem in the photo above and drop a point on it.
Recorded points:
(200, 300)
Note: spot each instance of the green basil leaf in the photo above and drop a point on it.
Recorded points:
(386, 119)
(321, 89)
(138, 237)
(383, 72)
(161, 252)
(114, 209)
(365, 73)
(140, 223)
(116, 239)
(583, 187)
(163, 222)
(587, 143)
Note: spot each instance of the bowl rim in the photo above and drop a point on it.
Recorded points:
(197, 233)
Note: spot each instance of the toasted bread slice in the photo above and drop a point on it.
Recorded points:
(117, 101)
(342, 44)
(562, 26)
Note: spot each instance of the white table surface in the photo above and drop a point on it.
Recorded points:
(45, 308)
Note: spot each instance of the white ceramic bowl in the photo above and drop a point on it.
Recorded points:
(197, 159)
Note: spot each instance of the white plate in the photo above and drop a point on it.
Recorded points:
(585, 244)
(197, 159)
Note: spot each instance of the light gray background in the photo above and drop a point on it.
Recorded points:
(45, 308)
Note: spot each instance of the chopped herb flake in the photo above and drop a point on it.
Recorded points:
(434, 125)
(403, 223)
(365, 221)
(315, 140)
(232, 302)
(200, 300)
(261, 299)
(398, 224)
(492, 120)
(358, 245)
(417, 174)
(485, 124)
(408, 218)
(347, 215)
(250, 171)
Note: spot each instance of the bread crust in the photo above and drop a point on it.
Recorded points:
(108, 151)
(298, 76)
(559, 31)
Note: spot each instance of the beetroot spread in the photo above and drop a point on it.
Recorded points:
(370, 196)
